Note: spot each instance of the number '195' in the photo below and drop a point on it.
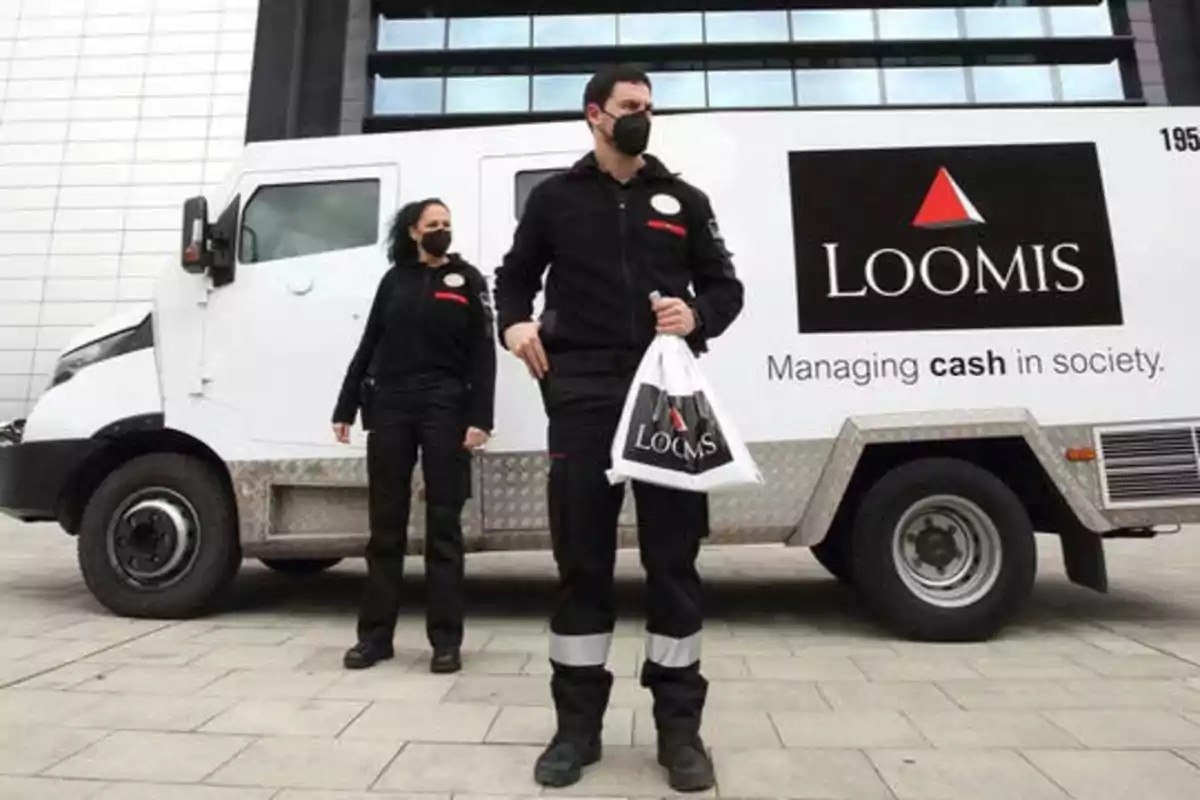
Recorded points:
(1181, 139)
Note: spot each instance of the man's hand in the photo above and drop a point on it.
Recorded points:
(523, 341)
(674, 316)
(476, 439)
(341, 432)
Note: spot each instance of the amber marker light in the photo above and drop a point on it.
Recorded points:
(1081, 454)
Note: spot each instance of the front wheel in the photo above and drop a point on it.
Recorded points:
(159, 538)
(943, 550)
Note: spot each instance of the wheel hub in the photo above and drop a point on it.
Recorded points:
(152, 539)
(947, 551)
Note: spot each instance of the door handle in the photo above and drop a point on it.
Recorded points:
(300, 286)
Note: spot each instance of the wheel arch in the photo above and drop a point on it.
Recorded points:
(121, 442)
(1006, 442)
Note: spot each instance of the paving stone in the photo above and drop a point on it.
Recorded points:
(954, 775)
(169, 680)
(236, 634)
(21, 706)
(30, 749)
(803, 774)
(164, 757)
(469, 768)
(764, 695)
(1011, 729)
(284, 717)
(12, 788)
(535, 726)
(271, 684)
(501, 690)
(885, 696)
(256, 656)
(150, 713)
(805, 668)
(846, 729)
(152, 653)
(914, 668)
(167, 791)
(1128, 729)
(323, 794)
(1115, 775)
(1029, 667)
(385, 684)
(400, 722)
(307, 762)
(724, 729)
(1156, 665)
(481, 663)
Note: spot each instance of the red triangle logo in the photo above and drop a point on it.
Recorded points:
(946, 205)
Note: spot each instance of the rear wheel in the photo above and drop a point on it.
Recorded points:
(159, 538)
(300, 566)
(943, 550)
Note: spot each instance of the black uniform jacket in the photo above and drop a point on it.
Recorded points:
(610, 246)
(427, 326)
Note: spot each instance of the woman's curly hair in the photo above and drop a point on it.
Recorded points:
(401, 247)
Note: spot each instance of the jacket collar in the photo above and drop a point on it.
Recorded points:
(652, 169)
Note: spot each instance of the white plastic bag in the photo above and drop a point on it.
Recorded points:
(673, 432)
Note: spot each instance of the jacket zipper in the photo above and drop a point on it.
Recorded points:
(628, 278)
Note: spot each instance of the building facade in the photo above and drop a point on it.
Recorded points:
(113, 111)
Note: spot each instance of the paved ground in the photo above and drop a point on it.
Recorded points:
(1092, 697)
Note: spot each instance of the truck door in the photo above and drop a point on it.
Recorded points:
(505, 183)
(310, 252)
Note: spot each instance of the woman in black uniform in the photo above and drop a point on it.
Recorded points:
(424, 376)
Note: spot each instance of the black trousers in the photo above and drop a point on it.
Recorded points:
(583, 403)
(430, 421)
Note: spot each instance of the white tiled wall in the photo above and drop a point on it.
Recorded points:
(111, 113)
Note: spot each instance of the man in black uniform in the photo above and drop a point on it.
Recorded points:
(615, 228)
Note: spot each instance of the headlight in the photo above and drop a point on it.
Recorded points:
(110, 346)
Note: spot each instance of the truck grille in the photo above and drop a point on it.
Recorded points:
(1152, 466)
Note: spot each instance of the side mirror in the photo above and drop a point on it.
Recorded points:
(196, 256)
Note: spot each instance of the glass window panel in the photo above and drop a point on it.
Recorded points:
(487, 94)
(1081, 20)
(575, 30)
(845, 26)
(750, 89)
(1004, 23)
(919, 23)
(559, 92)
(1013, 84)
(926, 85)
(746, 26)
(295, 220)
(412, 34)
(836, 87)
(678, 89)
(1082, 82)
(497, 32)
(526, 182)
(675, 28)
(408, 95)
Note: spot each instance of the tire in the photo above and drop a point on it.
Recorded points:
(131, 526)
(833, 554)
(961, 517)
(300, 566)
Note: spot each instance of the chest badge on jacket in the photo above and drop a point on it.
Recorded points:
(666, 204)
(454, 280)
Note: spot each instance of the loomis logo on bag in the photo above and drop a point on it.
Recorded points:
(676, 433)
(996, 236)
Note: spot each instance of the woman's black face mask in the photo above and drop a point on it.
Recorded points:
(436, 243)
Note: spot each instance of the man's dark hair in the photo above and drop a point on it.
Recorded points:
(600, 86)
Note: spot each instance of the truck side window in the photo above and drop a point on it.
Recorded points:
(301, 219)
(525, 183)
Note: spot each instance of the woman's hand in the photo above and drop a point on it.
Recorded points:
(341, 432)
(476, 439)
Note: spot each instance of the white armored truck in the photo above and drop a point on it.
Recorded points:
(961, 328)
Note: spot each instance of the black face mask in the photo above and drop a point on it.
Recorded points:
(631, 133)
(436, 243)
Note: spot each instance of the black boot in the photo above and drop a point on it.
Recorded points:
(445, 659)
(366, 654)
(562, 762)
(689, 769)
